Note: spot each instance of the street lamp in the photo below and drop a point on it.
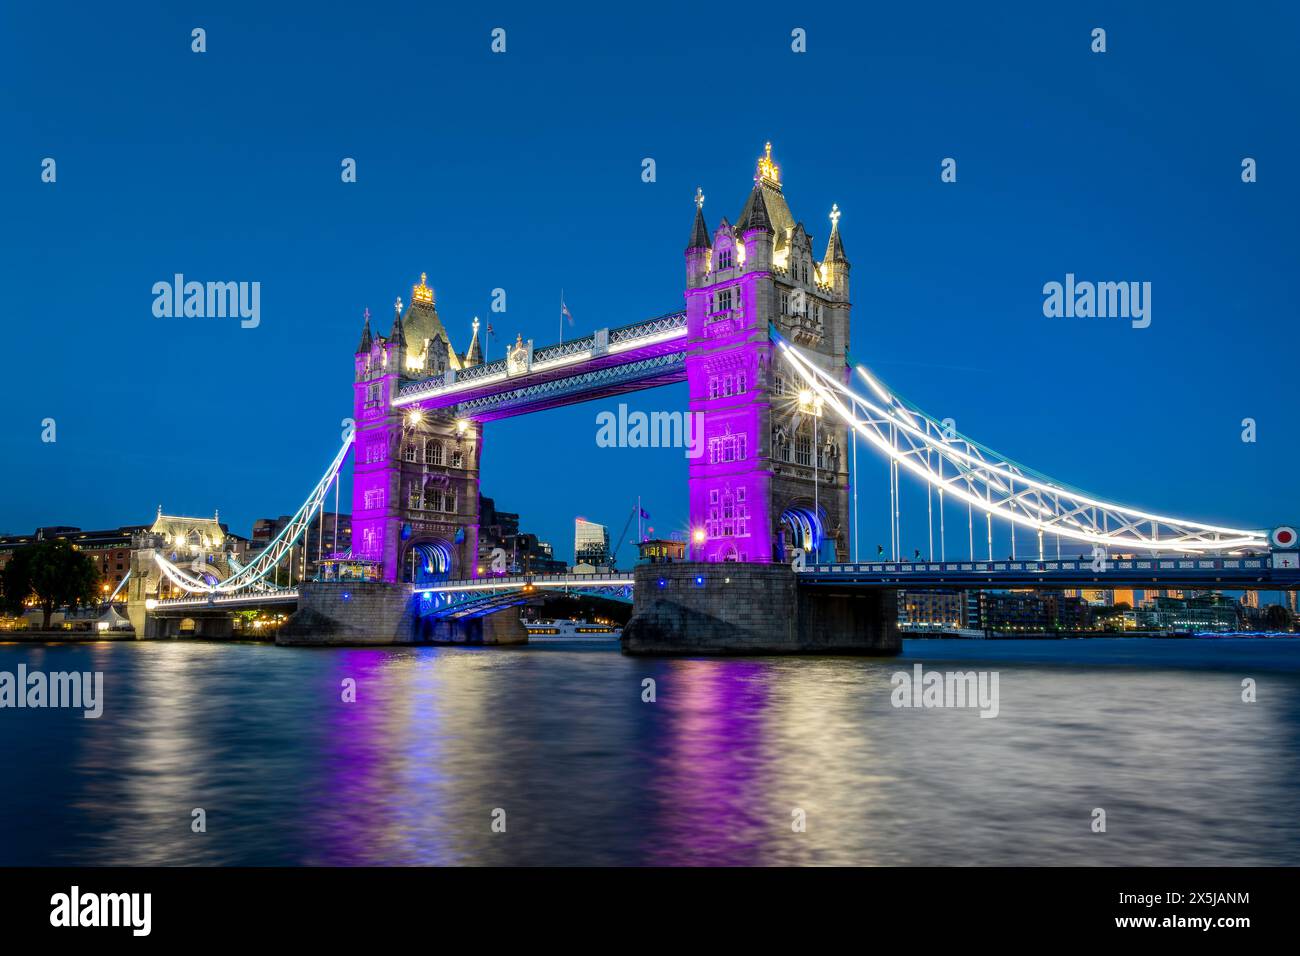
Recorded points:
(810, 404)
(698, 537)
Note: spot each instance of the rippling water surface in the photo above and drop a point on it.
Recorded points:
(1154, 732)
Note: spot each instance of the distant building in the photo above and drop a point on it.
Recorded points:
(109, 549)
(332, 537)
(523, 552)
(590, 544)
(1034, 612)
(931, 610)
(656, 550)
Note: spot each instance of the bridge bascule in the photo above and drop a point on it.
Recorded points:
(763, 345)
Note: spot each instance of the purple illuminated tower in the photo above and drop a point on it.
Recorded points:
(773, 473)
(415, 474)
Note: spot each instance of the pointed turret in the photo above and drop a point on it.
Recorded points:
(366, 338)
(473, 354)
(835, 246)
(699, 231)
(397, 335)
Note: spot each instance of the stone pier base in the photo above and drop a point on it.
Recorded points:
(359, 613)
(714, 609)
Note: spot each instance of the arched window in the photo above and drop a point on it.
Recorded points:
(433, 452)
(409, 452)
(457, 459)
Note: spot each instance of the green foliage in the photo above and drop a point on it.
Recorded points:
(54, 572)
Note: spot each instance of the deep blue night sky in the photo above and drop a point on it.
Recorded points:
(523, 171)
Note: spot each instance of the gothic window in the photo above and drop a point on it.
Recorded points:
(724, 258)
(449, 501)
(727, 385)
(803, 448)
(415, 498)
(778, 384)
(713, 496)
(740, 383)
(785, 303)
(457, 459)
(408, 453)
(433, 452)
(726, 448)
(713, 386)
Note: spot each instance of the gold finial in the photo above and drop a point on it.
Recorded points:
(422, 292)
(835, 216)
(768, 171)
(699, 197)
(476, 325)
(397, 306)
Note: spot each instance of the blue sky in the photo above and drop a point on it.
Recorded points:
(522, 171)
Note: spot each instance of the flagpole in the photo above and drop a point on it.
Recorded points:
(561, 316)
(639, 536)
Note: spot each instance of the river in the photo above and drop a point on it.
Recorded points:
(557, 744)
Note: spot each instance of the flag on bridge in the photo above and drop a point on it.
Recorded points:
(644, 513)
(564, 309)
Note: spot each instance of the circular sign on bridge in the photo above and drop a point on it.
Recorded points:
(1283, 537)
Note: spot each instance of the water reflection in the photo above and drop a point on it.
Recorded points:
(712, 772)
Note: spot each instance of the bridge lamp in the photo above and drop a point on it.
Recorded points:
(698, 536)
(462, 426)
(150, 604)
(415, 418)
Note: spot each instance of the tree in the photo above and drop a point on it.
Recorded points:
(54, 572)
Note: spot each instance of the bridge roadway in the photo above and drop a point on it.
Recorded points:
(1258, 573)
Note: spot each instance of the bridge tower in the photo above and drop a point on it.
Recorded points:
(772, 476)
(415, 487)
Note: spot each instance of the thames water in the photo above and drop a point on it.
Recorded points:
(554, 755)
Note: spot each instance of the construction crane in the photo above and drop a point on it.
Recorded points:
(613, 555)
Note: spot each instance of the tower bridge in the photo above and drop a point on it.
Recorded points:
(763, 345)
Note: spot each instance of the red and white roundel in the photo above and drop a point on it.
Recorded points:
(1284, 537)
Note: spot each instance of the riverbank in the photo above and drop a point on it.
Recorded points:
(64, 637)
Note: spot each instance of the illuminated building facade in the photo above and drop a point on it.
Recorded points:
(773, 476)
(590, 544)
(415, 486)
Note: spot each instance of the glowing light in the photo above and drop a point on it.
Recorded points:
(415, 417)
(768, 171)
(421, 292)
(150, 604)
(462, 426)
(698, 536)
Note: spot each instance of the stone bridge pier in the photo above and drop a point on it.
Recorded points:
(713, 608)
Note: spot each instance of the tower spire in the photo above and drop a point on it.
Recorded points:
(366, 338)
(421, 294)
(835, 246)
(700, 230)
(474, 354)
(397, 334)
(768, 172)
